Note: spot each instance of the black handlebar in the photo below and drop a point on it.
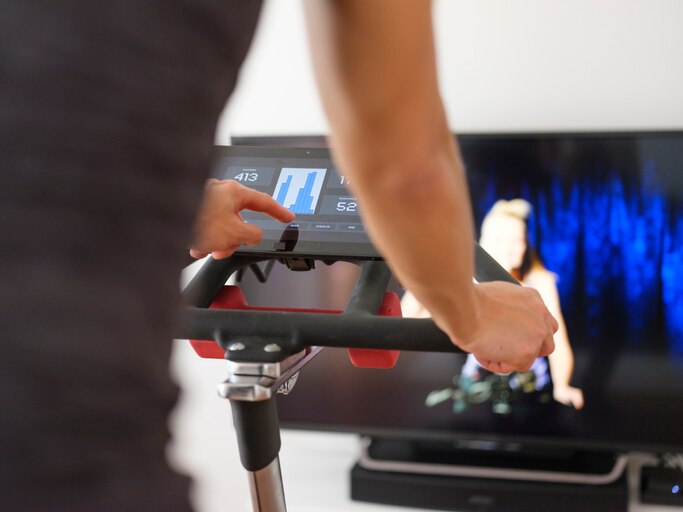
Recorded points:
(287, 333)
(293, 332)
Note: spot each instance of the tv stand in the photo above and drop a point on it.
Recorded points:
(484, 476)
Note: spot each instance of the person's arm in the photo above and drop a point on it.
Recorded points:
(562, 359)
(219, 229)
(375, 67)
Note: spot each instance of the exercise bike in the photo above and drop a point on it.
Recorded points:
(266, 347)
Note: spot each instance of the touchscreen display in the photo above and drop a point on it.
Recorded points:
(306, 182)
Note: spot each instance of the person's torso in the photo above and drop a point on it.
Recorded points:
(107, 119)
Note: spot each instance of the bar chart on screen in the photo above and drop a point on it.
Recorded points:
(298, 189)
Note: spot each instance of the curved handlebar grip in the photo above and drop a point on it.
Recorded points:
(487, 269)
(295, 330)
(373, 358)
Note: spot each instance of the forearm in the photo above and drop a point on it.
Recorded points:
(562, 360)
(378, 82)
(418, 215)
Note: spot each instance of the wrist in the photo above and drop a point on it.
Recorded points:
(460, 317)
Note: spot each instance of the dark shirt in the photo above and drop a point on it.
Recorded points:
(107, 118)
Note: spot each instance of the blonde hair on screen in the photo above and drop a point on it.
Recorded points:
(519, 209)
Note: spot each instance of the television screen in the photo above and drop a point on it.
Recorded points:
(599, 219)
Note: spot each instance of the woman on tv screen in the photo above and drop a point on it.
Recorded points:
(504, 236)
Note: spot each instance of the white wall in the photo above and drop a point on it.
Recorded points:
(504, 66)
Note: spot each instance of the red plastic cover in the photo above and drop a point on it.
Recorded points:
(231, 297)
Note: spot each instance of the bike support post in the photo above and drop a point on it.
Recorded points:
(258, 438)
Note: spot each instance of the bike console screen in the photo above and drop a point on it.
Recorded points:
(306, 182)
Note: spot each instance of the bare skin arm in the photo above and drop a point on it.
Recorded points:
(562, 360)
(375, 66)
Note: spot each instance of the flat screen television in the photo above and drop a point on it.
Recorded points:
(607, 221)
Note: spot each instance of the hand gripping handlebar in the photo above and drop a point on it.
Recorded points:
(359, 326)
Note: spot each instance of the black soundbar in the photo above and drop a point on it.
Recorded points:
(463, 494)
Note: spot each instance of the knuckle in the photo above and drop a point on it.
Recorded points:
(533, 294)
(232, 186)
(528, 353)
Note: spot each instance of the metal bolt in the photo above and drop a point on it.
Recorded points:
(234, 347)
(272, 347)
